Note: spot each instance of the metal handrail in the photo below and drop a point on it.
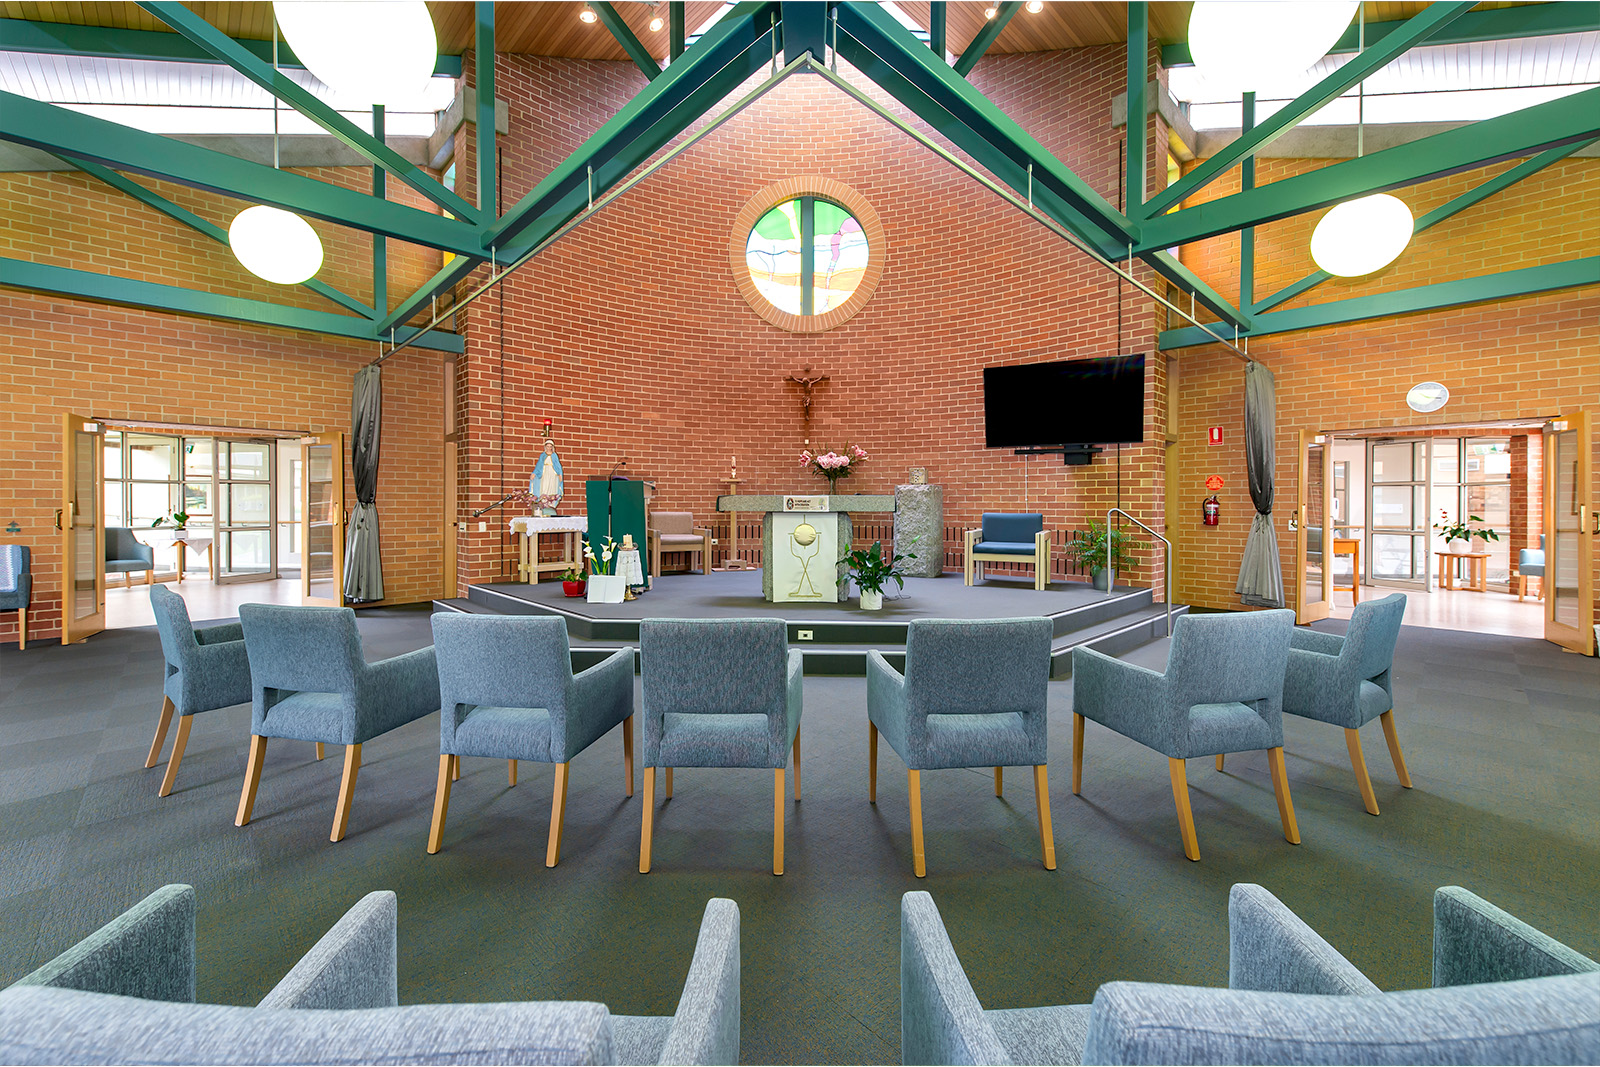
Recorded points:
(1111, 584)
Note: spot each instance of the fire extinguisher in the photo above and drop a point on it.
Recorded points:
(1212, 510)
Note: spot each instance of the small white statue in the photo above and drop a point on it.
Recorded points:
(546, 484)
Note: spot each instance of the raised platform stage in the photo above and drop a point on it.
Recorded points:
(837, 637)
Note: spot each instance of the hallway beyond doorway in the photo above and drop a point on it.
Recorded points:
(1458, 609)
(206, 600)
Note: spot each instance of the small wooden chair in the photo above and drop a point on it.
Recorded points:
(675, 531)
(1009, 538)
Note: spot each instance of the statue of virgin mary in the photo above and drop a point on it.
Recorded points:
(546, 483)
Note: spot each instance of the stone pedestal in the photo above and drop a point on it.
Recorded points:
(919, 513)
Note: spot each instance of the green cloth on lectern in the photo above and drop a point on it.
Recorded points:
(627, 516)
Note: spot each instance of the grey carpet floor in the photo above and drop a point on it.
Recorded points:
(1502, 737)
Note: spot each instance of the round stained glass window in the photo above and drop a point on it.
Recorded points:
(807, 255)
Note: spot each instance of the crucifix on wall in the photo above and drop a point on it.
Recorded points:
(807, 382)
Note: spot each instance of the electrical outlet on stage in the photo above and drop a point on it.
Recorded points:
(802, 635)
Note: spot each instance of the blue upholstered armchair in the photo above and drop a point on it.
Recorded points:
(16, 586)
(719, 693)
(1009, 538)
(126, 995)
(1222, 692)
(125, 554)
(205, 669)
(1530, 564)
(1291, 998)
(507, 691)
(974, 694)
(310, 682)
(1345, 681)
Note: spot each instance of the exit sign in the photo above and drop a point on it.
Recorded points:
(1214, 435)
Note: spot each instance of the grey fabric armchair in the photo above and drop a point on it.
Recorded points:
(1222, 692)
(1291, 998)
(974, 694)
(1345, 681)
(125, 554)
(310, 682)
(719, 693)
(126, 996)
(16, 586)
(205, 669)
(507, 691)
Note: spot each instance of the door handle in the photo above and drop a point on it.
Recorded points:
(58, 518)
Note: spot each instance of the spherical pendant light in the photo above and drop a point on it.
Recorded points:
(381, 52)
(274, 244)
(1246, 45)
(1361, 236)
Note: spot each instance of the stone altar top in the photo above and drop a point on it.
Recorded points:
(836, 502)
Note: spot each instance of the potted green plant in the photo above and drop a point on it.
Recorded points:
(872, 570)
(572, 582)
(1458, 535)
(1099, 551)
(179, 520)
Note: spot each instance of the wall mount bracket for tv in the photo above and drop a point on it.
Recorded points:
(1071, 455)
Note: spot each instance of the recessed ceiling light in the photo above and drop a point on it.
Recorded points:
(1241, 45)
(656, 24)
(1035, 6)
(374, 53)
(587, 14)
(990, 12)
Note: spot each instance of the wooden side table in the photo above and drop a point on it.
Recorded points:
(528, 528)
(1477, 570)
(1350, 546)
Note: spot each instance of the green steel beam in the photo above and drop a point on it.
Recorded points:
(380, 243)
(986, 37)
(485, 144)
(210, 229)
(1477, 194)
(1416, 30)
(1247, 236)
(63, 132)
(443, 281)
(1138, 123)
(938, 19)
(285, 88)
(106, 42)
(625, 37)
(676, 31)
(1554, 123)
(1506, 285)
(1527, 20)
(131, 292)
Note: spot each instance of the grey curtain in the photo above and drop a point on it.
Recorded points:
(363, 566)
(1260, 574)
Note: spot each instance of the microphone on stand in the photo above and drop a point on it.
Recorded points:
(623, 462)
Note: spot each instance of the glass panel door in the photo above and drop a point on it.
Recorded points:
(248, 549)
(322, 540)
(83, 529)
(1397, 510)
(1315, 541)
(1569, 533)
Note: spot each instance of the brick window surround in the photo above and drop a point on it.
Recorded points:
(788, 189)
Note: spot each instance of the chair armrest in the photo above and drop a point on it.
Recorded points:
(705, 1028)
(216, 635)
(941, 1020)
(886, 700)
(146, 952)
(1475, 942)
(1316, 641)
(1270, 949)
(794, 692)
(602, 696)
(396, 691)
(353, 965)
(1128, 698)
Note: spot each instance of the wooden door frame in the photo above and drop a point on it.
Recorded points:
(1580, 638)
(81, 628)
(1305, 613)
(336, 439)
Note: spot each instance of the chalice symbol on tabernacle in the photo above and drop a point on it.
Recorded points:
(805, 536)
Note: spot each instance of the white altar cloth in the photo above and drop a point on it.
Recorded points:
(538, 524)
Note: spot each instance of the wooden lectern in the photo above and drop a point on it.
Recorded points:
(616, 508)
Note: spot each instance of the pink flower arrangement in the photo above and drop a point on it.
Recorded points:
(833, 465)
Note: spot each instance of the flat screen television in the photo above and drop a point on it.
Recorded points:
(1065, 402)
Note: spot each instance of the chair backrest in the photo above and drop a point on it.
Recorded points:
(1235, 656)
(714, 666)
(672, 522)
(503, 660)
(310, 649)
(956, 666)
(1374, 629)
(121, 544)
(172, 623)
(14, 563)
(1011, 526)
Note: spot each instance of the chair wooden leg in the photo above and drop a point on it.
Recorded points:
(627, 750)
(1395, 754)
(252, 778)
(441, 805)
(1180, 794)
(648, 825)
(1041, 798)
(1522, 587)
(150, 577)
(1352, 740)
(161, 733)
(777, 820)
(667, 792)
(127, 579)
(455, 768)
(797, 763)
(1280, 786)
(1077, 754)
(347, 789)
(22, 629)
(511, 773)
(558, 817)
(179, 743)
(321, 751)
(872, 762)
(1219, 761)
(914, 786)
